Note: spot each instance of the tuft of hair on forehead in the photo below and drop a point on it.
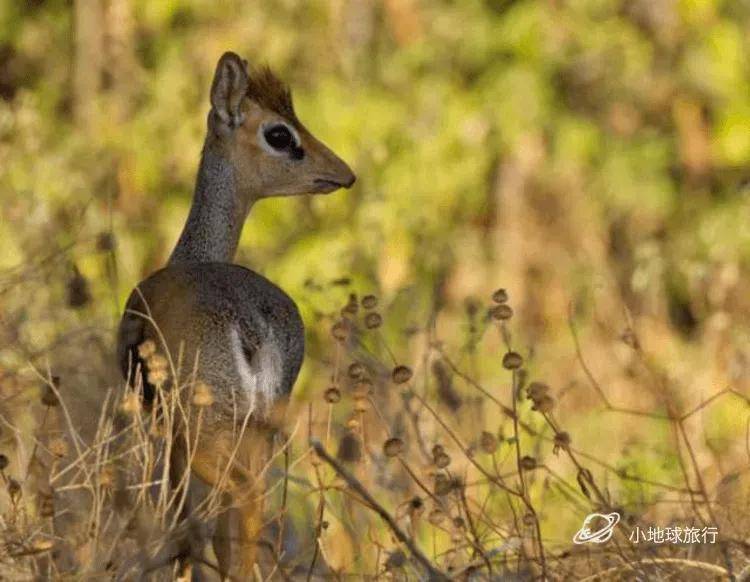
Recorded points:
(271, 93)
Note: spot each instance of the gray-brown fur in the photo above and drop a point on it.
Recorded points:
(230, 328)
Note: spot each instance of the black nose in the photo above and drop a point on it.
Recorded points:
(349, 182)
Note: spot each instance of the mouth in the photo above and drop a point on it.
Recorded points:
(322, 186)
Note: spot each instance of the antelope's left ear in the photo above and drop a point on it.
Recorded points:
(228, 89)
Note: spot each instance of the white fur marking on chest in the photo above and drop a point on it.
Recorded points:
(261, 378)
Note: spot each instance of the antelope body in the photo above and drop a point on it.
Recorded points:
(234, 330)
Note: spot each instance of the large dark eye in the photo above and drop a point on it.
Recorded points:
(278, 137)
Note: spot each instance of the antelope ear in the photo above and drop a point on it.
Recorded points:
(228, 89)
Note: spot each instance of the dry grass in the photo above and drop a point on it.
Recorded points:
(389, 470)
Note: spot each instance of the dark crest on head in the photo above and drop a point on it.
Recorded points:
(271, 93)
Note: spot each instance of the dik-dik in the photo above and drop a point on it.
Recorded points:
(238, 336)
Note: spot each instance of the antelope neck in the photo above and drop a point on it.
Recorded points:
(213, 228)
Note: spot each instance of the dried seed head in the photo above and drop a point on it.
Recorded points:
(528, 463)
(501, 312)
(536, 390)
(203, 395)
(340, 330)
(443, 485)
(436, 516)
(401, 374)
(500, 296)
(79, 293)
(352, 307)
(545, 404)
(130, 403)
(362, 388)
(355, 370)
(562, 441)
(58, 447)
(352, 423)
(106, 477)
(488, 442)
(3, 462)
(147, 349)
(512, 361)
(361, 404)
(442, 460)
(332, 395)
(157, 362)
(393, 447)
(369, 302)
(437, 450)
(105, 241)
(157, 377)
(373, 320)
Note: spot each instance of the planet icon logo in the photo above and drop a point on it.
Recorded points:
(597, 528)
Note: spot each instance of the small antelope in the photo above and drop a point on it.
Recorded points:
(237, 334)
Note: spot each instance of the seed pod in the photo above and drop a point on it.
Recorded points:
(361, 404)
(105, 242)
(401, 374)
(202, 394)
(529, 519)
(340, 330)
(79, 294)
(437, 450)
(362, 388)
(147, 349)
(436, 516)
(458, 522)
(393, 447)
(562, 441)
(488, 442)
(352, 423)
(416, 507)
(528, 463)
(106, 477)
(58, 447)
(3, 462)
(512, 361)
(442, 460)
(545, 404)
(355, 370)
(352, 307)
(369, 302)
(500, 296)
(536, 390)
(373, 320)
(130, 403)
(443, 485)
(501, 312)
(332, 395)
(157, 362)
(157, 377)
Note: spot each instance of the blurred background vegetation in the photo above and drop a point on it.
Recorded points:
(590, 156)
